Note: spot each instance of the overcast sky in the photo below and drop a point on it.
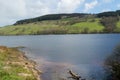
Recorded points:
(13, 10)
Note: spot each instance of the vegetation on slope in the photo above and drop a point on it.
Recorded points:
(88, 27)
(117, 27)
(50, 17)
(68, 26)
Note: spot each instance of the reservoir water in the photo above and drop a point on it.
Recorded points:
(56, 54)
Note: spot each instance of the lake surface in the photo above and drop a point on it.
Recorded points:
(55, 54)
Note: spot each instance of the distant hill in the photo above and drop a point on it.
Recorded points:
(50, 17)
(61, 16)
(109, 13)
(75, 23)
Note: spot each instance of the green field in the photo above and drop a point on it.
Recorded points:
(86, 27)
(118, 27)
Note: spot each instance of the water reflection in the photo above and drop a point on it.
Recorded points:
(59, 70)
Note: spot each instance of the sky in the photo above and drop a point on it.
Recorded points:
(14, 10)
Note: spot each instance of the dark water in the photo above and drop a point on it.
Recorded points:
(55, 54)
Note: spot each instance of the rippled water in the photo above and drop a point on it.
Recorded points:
(55, 54)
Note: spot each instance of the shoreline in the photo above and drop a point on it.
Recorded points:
(64, 34)
(24, 67)
(31, 64)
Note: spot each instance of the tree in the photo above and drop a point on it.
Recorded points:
(109, 23)
(113, 65)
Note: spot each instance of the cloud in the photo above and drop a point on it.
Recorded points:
(91, 5)
(9, 11)
(68, 5)
(42, 7)
(36, 8)
(14, 10)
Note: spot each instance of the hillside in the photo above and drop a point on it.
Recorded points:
(76, 23)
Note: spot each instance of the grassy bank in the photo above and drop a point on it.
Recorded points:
(15, 66)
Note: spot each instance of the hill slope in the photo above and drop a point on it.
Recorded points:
(76, 23)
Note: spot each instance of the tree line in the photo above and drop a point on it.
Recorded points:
(50, 17)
